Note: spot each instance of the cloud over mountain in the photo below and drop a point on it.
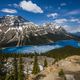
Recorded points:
(60, 21)
(72, 29)
(30, 6)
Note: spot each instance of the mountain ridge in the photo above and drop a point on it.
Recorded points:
(16, 31)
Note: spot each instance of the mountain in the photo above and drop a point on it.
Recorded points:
(16, 31)
(76, 34)
(12, 28)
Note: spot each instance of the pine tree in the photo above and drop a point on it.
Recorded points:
(27, 71)
(2, 72)
(20, 69)
(62, 74)
(36, 68)
(9, 77)
(45, 63)
(15, 71)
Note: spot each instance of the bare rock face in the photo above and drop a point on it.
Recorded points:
(70, 64)
(74, 59)
(66, 69)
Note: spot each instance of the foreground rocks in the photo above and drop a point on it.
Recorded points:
(66, 69)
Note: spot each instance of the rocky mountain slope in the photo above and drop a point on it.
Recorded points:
(65, 69)
(16, 31)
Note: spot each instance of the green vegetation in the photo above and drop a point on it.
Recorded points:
(45, 63)
(62, 52)
(20, 70)
(27, 76)
(9, 77)
(62, 74)
(2, 74)
(15, 55)
(55, 53)
(36, 68)
(15, 71)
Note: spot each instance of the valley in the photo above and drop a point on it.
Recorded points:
(39, 39)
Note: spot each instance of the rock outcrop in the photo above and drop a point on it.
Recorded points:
(66, 69)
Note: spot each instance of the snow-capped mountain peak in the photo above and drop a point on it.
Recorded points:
(17, 29)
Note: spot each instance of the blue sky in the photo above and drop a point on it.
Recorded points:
(62, 12)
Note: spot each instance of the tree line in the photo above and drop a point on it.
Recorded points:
(17, 72)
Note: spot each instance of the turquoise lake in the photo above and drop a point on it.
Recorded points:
(41, 48)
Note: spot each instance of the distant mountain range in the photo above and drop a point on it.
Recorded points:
(16, 31)
(76, 34)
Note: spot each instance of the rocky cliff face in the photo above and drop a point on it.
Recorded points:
(66, 69)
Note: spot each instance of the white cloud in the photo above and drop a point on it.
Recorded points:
(72, 28)
(64, 20)
(74, 12)
(30, 6)
(63, 4)
(6, 10)
(60, 21)
(53, 15)
(74, 20)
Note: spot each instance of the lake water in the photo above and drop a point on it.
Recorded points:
(41, 48)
